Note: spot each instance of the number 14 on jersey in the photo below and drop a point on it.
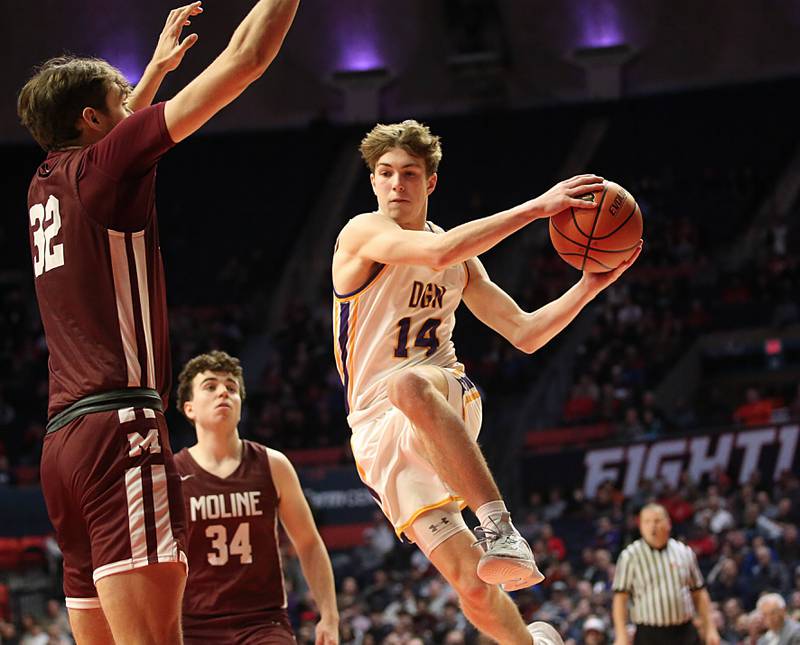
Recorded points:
(426, 337)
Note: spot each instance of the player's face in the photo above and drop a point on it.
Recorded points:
(216, 400)
(116, 110)
(654, 525)
(401, 185)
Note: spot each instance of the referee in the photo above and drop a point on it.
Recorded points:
(661, 578)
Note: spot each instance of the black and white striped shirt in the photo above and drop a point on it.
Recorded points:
(659, 582)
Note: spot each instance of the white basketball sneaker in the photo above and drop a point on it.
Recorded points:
(508, 559)
(544, 634)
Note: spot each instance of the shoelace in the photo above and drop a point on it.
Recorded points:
(485, 535)
(488, 535)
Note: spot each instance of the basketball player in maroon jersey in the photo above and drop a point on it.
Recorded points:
(108, 474)
(235, 491)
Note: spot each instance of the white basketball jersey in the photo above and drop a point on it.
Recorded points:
(402, 316)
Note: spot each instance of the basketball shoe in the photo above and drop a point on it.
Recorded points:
(544, 634)
(507, 559)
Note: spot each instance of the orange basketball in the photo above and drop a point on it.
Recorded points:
(599, 239)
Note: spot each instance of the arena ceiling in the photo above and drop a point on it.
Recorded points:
(438, 55)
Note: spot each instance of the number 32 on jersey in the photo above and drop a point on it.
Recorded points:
(45, 225)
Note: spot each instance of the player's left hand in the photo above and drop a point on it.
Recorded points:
(712, 636)
(599, 281)
(327, 632)
(170, 48)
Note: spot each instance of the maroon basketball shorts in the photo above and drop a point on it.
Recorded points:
(114, 497)
(271, 629)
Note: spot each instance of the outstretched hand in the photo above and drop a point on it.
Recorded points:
(170, 48)
(167, 56)
(567, 194)
(599, 281)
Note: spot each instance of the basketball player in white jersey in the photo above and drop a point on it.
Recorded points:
(415, 416)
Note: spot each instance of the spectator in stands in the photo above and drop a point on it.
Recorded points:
(8, 633)
(379, 540)
(720, 518)
(756, 523)
(755, 411)
(607, 535)
(555, 506)
(787, 511)
(652, 425)
(724, 582)
(57, 636)
(554, 544)
(731, 611)
(32, 632)
(781, 630)
(594, 631)
(348, 593)
(557, 606)
(381, 592)
(788, 546)
(56, 616)
(767, 575)
(680, 508)
(793, 611)
(631, 429)
(602, 569)
(683, 416)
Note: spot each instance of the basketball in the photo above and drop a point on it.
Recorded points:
(599, 239)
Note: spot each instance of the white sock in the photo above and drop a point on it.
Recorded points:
(489, 513)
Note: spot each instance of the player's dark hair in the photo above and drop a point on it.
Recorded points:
(52, 101)
(413, 137)
(214, 361)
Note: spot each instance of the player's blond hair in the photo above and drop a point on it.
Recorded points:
(413, 137)
(52, 101)
(214, 361)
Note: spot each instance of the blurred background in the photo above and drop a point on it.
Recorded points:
(680, 384)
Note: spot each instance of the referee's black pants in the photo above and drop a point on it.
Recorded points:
(684, 634)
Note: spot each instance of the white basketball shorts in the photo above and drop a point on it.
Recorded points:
(392, 463)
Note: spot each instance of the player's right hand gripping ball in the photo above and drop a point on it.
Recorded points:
(599, 239)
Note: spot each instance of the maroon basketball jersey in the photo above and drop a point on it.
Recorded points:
(97, 263)
(232, 525)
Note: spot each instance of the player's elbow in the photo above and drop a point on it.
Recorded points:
(525, 339)
(250, 62)
(527, 346)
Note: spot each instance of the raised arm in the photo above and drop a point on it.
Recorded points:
(168, 54)
(379, 239)
(252, 48)
(295, 515)
(531, 331)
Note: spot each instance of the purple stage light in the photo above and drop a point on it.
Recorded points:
(125, 54)
(357, 36)
(129, 65)
(599, 23)
(359, 55)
